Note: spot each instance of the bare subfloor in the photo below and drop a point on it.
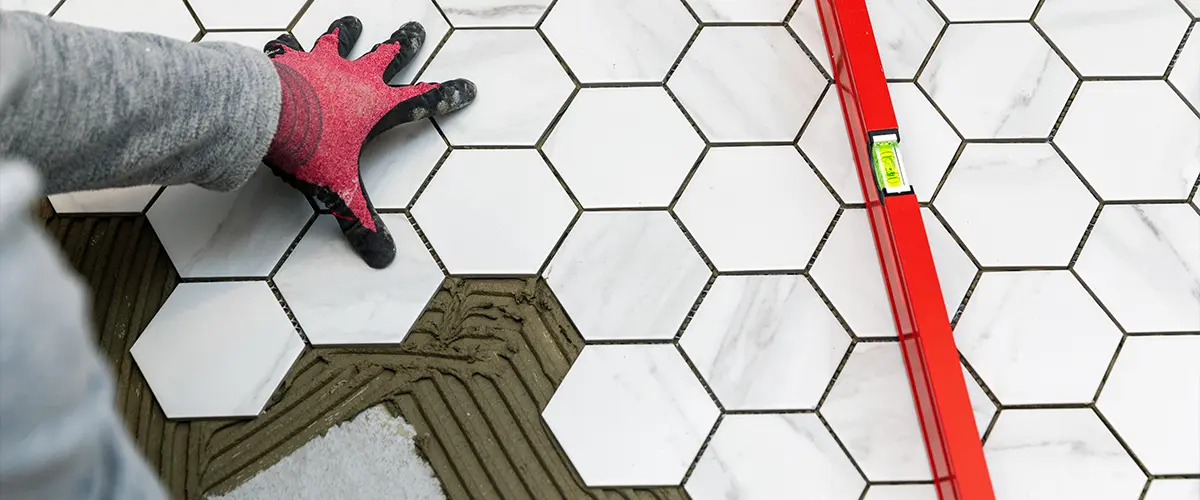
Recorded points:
(472, 378)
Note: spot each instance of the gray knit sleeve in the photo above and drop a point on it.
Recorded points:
(97, 109)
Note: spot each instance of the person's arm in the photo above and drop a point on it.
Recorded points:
(102, 109)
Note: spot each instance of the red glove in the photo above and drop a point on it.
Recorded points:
(333, 105)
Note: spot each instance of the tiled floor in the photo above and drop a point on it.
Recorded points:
(652, 157)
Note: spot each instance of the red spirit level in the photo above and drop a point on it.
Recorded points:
(939, 390)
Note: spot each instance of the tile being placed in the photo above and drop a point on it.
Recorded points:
(756, 208)
(490, 13)
(493, 211)
(987, 10)
(904, 31)
(1185, 75)
(337, 299)
(847, 272)
(997, 81)
(619, 40)
(131, 200)
(42, 7)
(901, 492)
(252, 39)
(608, 163)
(1016, 205)
(241, 233)
(765, 342)
(217, 349)
(806, 23)
(521, 86)
(1059, 453)
(627, 275)
(827, 145)
(747, 83)
(724, 11)
(237, 14)
(170, 19)
(871, 410)
(379, 20)
(1106, 135)
(396, 163)
(630, 415)
(1152, 399)
(1115, 37)
(774, 456)
(1143, 263)
(1173, 489)
(1036, 337)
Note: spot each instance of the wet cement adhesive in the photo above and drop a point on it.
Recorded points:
(472, 378)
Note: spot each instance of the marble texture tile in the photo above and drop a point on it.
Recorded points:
(756, 208)
(1016, 205)
(1115, 37)
(252, 39)
(1036, 337)
(725, 11)
(396, 163)
(773, 456)
(826, 143)
(997, 81)
(1186, 73)
(627, 275)
(987, 10)
(241, 233)
(982, 407)
(1173, 489)
(497, 211)
(747, 83)
(170, 19)
(380, 20)
(130, 200)
(927, 142)
(1143, 263)
(238, 14)
(339, 300)
(217, 349)
(521, 86)
(42, 7)
(608, 163)
(904, 32)
(806, 23)
(847, 272)
(1103, 148)
(901, 492)
(871, 410)
(619, 40)
(765, 342)
(493, 13)
(1059, 453)
(630, 415)
(1152, 399)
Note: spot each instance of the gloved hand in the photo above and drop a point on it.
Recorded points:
(333, 105)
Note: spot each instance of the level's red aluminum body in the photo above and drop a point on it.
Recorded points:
(939, 389)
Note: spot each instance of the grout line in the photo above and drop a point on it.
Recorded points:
(312, 219)
(428, 244)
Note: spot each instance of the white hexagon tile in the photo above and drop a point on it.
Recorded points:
(521, 86)
(727, 11)
(1185, 75)
(756, 208)
(379, 21)
(494, 13)
(607, 162)
(170, 19)
(237, 14)
(1059, 453)
(217, 349)
(904, 32)
(765, 455)
(1173, 489)
(901, 492)
(493, 211)
(397, 163)
(765, 342)
(998, 81)
(337, 299)
(131, 200)
(1115, 37)
(241, 233)
(627, 275)
(806, 24)
(987, 10)
(747, 83)
(619, 40)
(1107, 136)
(630, 414)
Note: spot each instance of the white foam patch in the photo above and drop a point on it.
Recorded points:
(370, 457)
